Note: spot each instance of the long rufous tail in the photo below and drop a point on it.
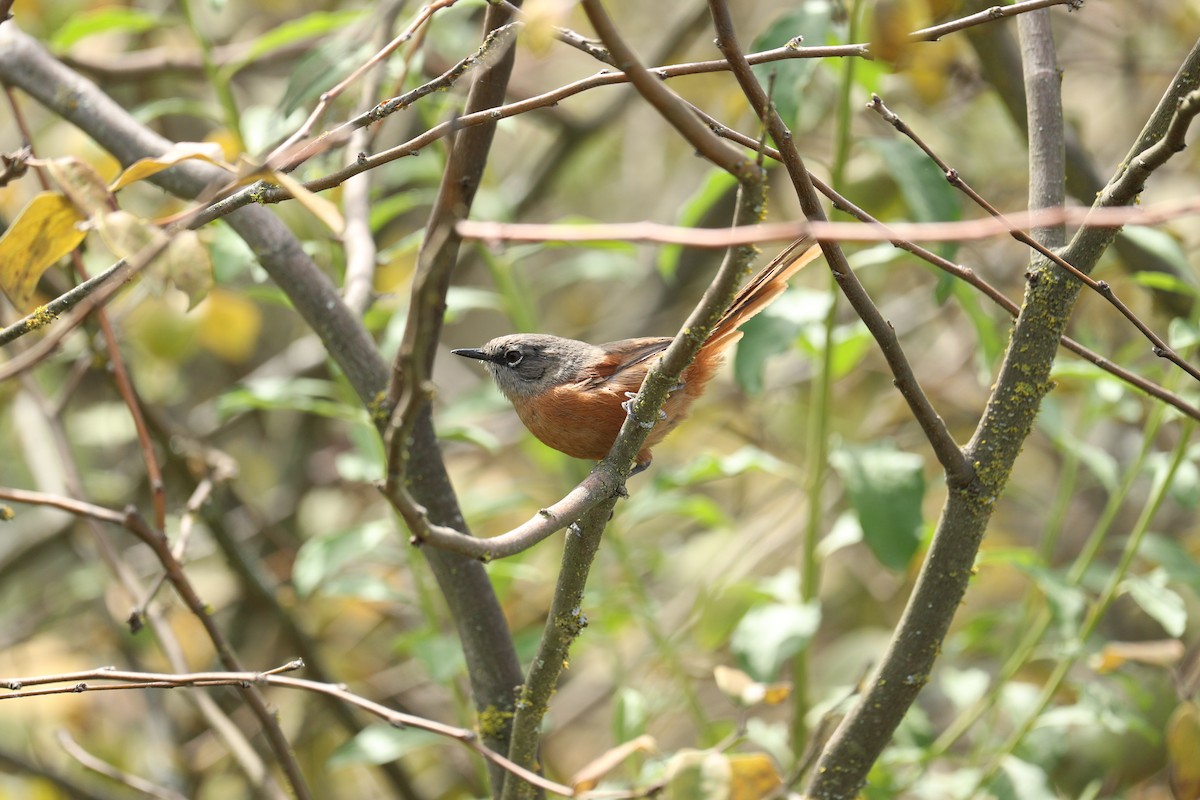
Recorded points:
(762, 290)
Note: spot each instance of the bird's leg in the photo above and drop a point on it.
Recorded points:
(662, 415)
(628, 406)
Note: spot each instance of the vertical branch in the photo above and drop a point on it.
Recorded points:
(1007, 420)
(1043, 109)
(415, 465)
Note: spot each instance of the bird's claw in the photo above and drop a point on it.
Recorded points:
(628, 406)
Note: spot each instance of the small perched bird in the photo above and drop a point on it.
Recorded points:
(574, 396)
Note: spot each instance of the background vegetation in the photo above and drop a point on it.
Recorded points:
(776, 540)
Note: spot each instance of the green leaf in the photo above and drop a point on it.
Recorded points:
(763, 337)
(704, 468)
(381, 744)
(926, 192)
(769, 635)
(1020, 780)
(307, 395)
(1181, 566)
(309, 26)
(717, 184)
(1066, 602)
(320, 558)
(630, 712)
(773, 331)
(1182, 334)
(886, 488)
(1168, 249)
(811, 21)
(441, 655)
(1164, 605)
(102, 20)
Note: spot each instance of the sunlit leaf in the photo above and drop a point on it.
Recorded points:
(630, 713)
(1168, 249)
(769, 635)
(44, 231)
(82, 24)
(320, 558)
(754, 776)
(126, 235)
(381, 744)
(188, 266)
(926, 192)
(318, 206)
(180, 151)
(1021, 780)
(80, 182)
(229, 325)
(307, 395)
(1153, 596)
(309, 26)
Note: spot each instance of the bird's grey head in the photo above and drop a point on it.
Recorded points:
(527, 364)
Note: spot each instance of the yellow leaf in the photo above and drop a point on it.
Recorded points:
(891, 22)
(189, 266)
(229, 325)
(321, 208)
(180, 151)
(82, 184)
(1183, 747)
(45, 231)
(754, 776)
(125, 234)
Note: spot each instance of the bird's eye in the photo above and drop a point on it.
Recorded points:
(513, 357)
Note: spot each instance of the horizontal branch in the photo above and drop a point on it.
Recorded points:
(79, 683)
(720, 238)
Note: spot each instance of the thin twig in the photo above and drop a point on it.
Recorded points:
(242, 679)
(936, 32)
(1170, 144)
(959, 471)
(269, 194)
(135, 782)
(824, 230)
(380, 55)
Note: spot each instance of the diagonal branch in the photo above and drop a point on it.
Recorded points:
(959, 472)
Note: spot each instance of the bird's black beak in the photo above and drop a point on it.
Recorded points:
(469, 353)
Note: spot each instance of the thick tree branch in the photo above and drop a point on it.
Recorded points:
(1023, 382)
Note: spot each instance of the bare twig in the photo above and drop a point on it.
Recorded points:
(263, 194)
(135, 782)
(402, 412)
(826, 231)
(79, 683)
(327, 97)
(357, 239)
(1172, 142)
(1005, 424)
(936, 32)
